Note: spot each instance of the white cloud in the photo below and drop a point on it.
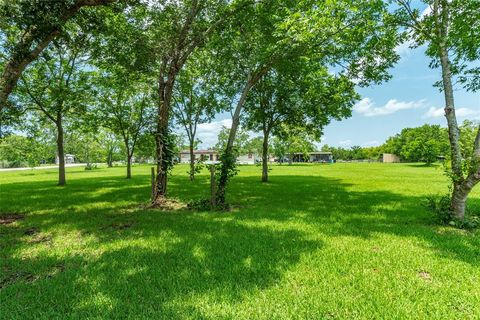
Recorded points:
(460, 112)
(345, 143)
(434, 113)
(465, 112)
(404, 49)
(367, 107)
(208, 132)
(426, 11)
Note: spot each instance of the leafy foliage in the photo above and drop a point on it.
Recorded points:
(18, 151)
(441, 208)
(423, 143)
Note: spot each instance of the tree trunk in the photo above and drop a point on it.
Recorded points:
(165, 94)
(228, 152)
(290, 159)
(461, 185)
(265, 157)
(110, 158)
(459, 193)
(129, 166)
(61, 154)
(192, 162)
(459, 199)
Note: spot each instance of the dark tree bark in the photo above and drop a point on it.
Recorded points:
(34, 41)
(129, 148)
(192, 162)
(110, 158)
(165, 94)
(129, 166)
(265, 156)
(60, 152)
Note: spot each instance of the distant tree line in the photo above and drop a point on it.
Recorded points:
(427, 143)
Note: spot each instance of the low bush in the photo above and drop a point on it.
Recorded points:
(440, 207)
(91, 166)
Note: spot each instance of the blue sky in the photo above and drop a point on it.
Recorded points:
(407, 100)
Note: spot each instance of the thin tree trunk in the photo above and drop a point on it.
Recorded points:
(265, 156)
(461, 185)
(61, 154)
(228, 153)
(129, 166)
(192, 162)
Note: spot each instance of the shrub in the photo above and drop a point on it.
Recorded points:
(200, 205)
(440, 207)
(91, 166)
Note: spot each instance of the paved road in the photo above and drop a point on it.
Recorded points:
(45, 167)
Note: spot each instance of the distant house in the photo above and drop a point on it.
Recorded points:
(69, 159)
(212, 155)
(248, 158)
(200, 155)
(390, 158)
(317, 156)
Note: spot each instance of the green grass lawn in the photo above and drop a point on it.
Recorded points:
(340, 241)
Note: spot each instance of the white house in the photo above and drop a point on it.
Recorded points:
(212, 155)
(248, 158)
(200, 155)
(69, 158)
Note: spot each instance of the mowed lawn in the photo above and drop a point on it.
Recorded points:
(341, 241)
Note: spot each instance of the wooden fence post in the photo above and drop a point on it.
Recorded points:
(213, 199)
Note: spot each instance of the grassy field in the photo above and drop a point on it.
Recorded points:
(317, 242)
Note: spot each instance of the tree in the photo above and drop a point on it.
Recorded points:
(19, 150)
(240, 144)
(279, 149)
(124, 109)
(28, 28)
(299, 94)
(146, 147)
(85, 143)
(424, 143)
(357, 37)
(56, 85)
(195, 101)
(255, 146)
(451, 31)
(297, 140)
(468, 131)
(112, 145)
(178, 28)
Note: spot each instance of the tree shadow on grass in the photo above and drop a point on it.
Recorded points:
(170, 264)
(424, 165)
(337, 210)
